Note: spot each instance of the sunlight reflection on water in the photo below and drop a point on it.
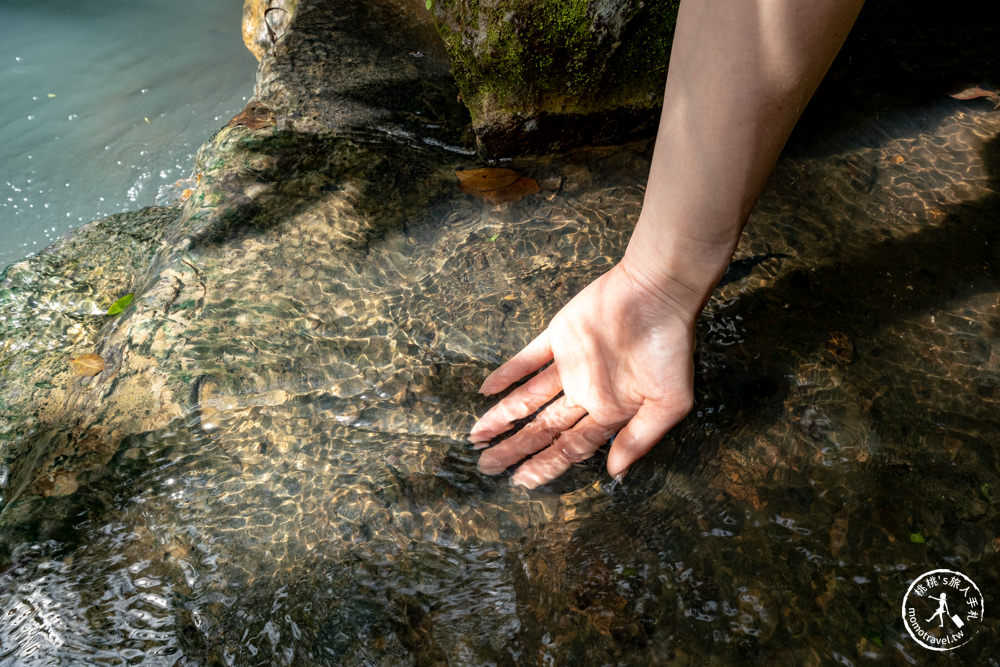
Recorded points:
(105, 103)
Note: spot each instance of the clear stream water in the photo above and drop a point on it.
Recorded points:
(317, 504)
(105, 103)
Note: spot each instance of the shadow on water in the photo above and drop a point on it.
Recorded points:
(899, 57)
(773, 515)
(872, 287)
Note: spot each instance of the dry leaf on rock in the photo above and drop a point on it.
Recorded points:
(496, 185)
(254, 116)
(270, 30)
(87, 365)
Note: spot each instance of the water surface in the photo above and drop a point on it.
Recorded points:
(106, 103)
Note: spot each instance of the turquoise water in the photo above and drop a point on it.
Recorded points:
(105, 103)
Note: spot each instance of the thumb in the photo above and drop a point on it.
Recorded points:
(646, 428)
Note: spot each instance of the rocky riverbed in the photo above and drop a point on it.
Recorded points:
(271, 466)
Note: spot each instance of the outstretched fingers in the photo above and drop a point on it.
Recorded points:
(520, 403)
(535, 354)
(537, 435)
(573, 446)
(646, 428)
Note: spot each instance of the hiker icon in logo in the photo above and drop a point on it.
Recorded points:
(942, 610)
(928, 599)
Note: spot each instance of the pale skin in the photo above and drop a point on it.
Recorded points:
(619, 355)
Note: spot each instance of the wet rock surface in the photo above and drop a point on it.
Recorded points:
(55, 426)
(264, 21)
(548, 75)
(272, 469)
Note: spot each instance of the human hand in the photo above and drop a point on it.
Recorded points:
(621, 355)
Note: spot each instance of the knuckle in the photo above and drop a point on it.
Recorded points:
(607, 415)
(558, 419)
(550, 434)
(524, 403)
(680, 407)
(537, 392)
(571, 398)
(570, 450)
(541, 430)
(596, 435)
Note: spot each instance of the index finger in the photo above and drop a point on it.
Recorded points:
(520, 403)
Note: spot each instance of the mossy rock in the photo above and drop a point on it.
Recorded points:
(543, 75)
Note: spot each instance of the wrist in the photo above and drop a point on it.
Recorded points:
(680, 269)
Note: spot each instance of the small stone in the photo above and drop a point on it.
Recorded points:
(840, 347)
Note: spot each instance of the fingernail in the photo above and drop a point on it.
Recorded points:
(482, 444)
(620, 476)
(525, 481)
(488, 468)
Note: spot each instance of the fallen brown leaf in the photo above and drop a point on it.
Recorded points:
(487, 178)
(87, 365)
(254, 116)
(496, 185)
(975, 92)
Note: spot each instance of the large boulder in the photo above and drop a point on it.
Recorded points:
(536, 76)
(545, 74)
(272, 173)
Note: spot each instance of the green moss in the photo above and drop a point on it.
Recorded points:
(531, 47)
(525, 57)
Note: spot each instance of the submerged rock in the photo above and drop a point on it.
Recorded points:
(58, 427)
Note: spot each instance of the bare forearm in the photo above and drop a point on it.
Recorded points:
(741, 72)
(621, 351)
